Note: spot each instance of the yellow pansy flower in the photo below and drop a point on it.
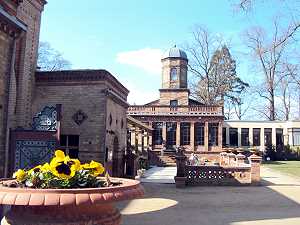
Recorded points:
(34, 170)
(95, 167)
(46, 167)
(20, 175)
(63, 166)
(59, 154)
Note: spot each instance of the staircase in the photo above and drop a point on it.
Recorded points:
(163, 160)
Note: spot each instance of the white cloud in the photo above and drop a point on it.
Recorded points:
(140, 96)
(147, 59)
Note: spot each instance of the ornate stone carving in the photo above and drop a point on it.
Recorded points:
(79, 117)
(46, 120)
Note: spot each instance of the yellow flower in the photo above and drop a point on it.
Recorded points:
(20, 175)
(60, 154)
(63, 166)
(46, 167)
(34, 170)
(95, 167)
(62, 170)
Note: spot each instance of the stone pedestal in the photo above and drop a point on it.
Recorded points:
(180, 177)
(240, 159)
(255, 162)
(231, 159)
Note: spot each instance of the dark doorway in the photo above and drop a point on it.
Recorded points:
(116, 166)
(171, 134)
(279, 139)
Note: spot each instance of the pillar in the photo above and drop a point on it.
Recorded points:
(239, 137)
(274, 136)
(255, 162)
(262, 139)
(220, 136)
(251, 136)
(192, 136)
(140, 142)
(136, 139)
(146, 139)
(164, 132)
(150, 136)
(206, 136)
(227, 136)
(178, 134)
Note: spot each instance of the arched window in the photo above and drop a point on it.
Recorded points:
(173, 74)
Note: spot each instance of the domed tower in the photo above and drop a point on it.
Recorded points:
(174, 91)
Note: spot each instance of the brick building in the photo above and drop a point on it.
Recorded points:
(19, 36)
(177, 119)
(82, 111)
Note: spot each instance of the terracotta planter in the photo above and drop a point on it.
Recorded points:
(67, 206)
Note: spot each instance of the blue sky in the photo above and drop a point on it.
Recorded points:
(128, 37)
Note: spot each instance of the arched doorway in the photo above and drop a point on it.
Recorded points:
(115, 158)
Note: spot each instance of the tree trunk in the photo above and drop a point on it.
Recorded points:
(272, 106)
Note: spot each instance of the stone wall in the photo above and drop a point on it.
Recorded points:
(29, 12)
(90, 100)
(181, 66)
(116, 127)
(181, 95)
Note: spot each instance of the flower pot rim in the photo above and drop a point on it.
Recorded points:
(129, 189)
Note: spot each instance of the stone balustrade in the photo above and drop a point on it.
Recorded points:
(183, 110)
(232, 170)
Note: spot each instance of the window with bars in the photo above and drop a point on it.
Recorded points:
(268, 136)
(245, 137)
(213, 134)
(157, 133)
(256, 136)
(70, 145)
(171, 133)
(199, 133)
(174, 103)
(233, 137)
(185, 133)
(173, 74)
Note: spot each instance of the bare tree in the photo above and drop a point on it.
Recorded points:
(269, 54)
(212, 64)
(50, 59)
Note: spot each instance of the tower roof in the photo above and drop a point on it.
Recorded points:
(175, 53)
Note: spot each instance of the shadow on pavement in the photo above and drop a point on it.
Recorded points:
(213, 206)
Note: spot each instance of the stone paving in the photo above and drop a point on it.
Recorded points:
(276, 201)
(162, 175)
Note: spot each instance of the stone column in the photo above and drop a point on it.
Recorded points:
(239, 137)
(146, 140)
(136, 139)
(227, 136)
(178, 134)
(251, 136)
(164, 132)
(206, 136)
(220, 136)
(140, 142)
(150, 136)
(255, 162)
(262, 139)
(274, 136)
(180, 178)
(192, 136)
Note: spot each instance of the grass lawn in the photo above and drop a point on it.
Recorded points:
(287, 167)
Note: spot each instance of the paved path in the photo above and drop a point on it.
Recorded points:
(276, 202)
(162, 175)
